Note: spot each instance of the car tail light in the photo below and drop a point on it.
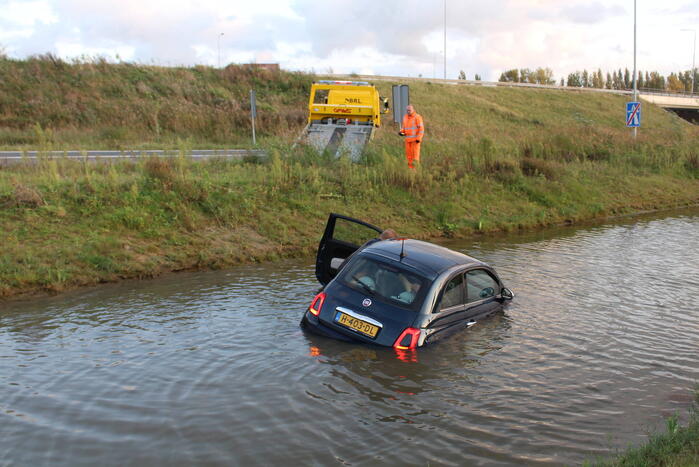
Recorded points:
(317, 304)
(408, 339)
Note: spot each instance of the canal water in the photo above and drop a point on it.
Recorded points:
(599, 346)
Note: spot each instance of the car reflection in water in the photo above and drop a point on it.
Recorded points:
(383, 374)
(409, 355)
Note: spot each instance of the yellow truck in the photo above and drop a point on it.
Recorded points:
(342, 116)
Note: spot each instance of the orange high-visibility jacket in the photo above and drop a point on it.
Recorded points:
(413, 127)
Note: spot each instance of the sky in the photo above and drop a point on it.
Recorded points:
(377, 37)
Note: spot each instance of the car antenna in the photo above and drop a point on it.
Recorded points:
(402, 249)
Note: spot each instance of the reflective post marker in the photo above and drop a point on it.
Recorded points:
(253, 114)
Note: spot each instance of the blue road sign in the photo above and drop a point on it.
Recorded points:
(633, 114)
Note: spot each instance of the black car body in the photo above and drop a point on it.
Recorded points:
(402, 293)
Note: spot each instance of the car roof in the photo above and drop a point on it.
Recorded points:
(427, 258)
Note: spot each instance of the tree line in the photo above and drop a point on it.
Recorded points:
(462, 75)
(617, 79)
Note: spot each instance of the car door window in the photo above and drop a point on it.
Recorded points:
(480, 285)
(453, 294)
(342, 237)
(351, 232)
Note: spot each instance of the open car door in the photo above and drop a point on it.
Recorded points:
(343, 236)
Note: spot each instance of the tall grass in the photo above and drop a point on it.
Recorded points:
(70, 222)
(95, 104)
(493, 159)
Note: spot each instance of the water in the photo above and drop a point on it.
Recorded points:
(600, 344)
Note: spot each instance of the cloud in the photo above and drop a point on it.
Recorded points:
(157, 31)
(686, 8)
(393, 27)
(590, 13)
(387, 36)
(20, 20)
(27, 13)
(482, 37)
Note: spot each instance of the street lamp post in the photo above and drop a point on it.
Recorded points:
(219, 49)
(694, 54)
(635, 88)
(445, 39)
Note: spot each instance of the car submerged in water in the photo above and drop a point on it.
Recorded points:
(398, 293)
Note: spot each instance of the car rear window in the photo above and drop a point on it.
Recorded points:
(387, 281)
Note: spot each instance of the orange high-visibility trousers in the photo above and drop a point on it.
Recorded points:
(412, 153)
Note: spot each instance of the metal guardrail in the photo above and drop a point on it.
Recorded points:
(664, 92)
(15, 157)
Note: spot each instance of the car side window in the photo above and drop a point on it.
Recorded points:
(353, 233)
(479, 285)
(453, 293)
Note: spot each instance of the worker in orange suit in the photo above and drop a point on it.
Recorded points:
(413, 130)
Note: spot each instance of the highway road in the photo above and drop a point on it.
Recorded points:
(13, 157)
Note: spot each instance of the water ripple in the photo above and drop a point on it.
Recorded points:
(601, 342)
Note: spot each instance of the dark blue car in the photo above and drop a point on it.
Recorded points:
(402, 293)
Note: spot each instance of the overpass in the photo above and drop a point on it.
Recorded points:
(672, 101)
(684, 105)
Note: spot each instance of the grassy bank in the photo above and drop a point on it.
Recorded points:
(493, 159)
(97, 105)
(678, 446)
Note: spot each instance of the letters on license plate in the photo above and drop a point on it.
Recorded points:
(358, 325)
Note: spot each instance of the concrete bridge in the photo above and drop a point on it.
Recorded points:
(672, 101)
(684, 105)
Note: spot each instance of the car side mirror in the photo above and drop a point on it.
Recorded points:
(507, 294)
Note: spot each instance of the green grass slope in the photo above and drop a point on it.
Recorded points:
(493, 159)
(90, 105)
